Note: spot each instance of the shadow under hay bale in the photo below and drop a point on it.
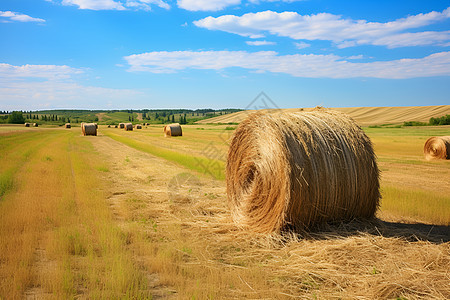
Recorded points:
(128, 127)
(297, 170)
(437, 147)
(173, 130)
(89, 129)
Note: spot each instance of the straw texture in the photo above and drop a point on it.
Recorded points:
(128, 127)
(297, 170)
(89, 129)
(173, 130)
(437, 147)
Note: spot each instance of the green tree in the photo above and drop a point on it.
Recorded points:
(16, 117)
(173, 118)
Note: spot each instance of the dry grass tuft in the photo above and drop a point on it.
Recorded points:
(300, 169)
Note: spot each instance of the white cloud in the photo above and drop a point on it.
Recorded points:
(298, 65)
(14, 16)
(39, 86)
(302, 45)
(325, 26)
(260, 43)
(116, 5)
(206, 5)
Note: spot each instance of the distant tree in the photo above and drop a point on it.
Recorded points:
(16, 117)
(156, 116)
(68, 120)
(173, 118)
(129, 118)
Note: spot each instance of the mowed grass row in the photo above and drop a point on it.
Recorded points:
(57, 236)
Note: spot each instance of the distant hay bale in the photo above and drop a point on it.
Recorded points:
(173, 130)
(298, 170)
(128, 126)
(138, 126)
(35, 125)
(27, 124)
(109, 126)
(121, 125)
(437, 147)
(115, 126)
(89, 129)
(68, 125)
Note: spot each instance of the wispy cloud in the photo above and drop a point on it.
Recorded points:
(302, 45)
(298, 65)
(216, 5)
(260, 43)
(324, 26)
(40, 86)
(19, 17)
(116, 5)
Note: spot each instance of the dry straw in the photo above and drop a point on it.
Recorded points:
(89, 129)
(128, 126)
(437, 147)
(297, 170)
(121, 125)
(67, 125)
(173, 130)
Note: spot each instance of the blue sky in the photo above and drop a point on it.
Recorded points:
(132, 54)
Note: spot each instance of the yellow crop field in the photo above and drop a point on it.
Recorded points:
(134, 215)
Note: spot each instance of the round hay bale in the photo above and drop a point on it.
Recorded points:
(298, 170)
(68, 125)
(35, 125)
(27, 124)
(173, 130)
(121, 125)
(89, 129)
(82, 128)
(138, 126)
(128, 126)
(109, 126)
(115, 126)
(437, 147)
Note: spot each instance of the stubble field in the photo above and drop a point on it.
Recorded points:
(136, 215)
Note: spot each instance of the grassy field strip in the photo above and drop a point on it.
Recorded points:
(14, 152)
(416, 204)
(216, 168)
(57, 236)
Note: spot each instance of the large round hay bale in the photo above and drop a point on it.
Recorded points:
(89, 129)
(35, 125)
(121, 125)
(298, 170)
(437, 147)
(138, 126)
(27, 124)
(128, 126)
(173, 130)
(68, 125)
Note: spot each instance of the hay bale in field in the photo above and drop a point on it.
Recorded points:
(121, 125)
(89, 129)
(96, 125)
(67, 125)
(437, 147)
(27, 124)
(173, 130)
(128, 126)
(138, 126)
(298, 170)
(109, 126)
(115, 126)
(35, 125)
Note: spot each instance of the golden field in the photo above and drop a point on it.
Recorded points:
(134, 215)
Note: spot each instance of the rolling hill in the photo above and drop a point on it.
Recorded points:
(364, 116)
